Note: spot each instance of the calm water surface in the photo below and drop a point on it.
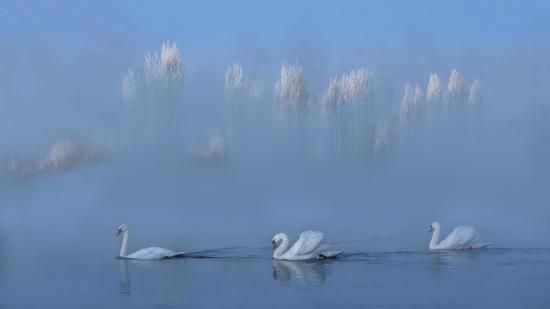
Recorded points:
(57, 243)
(249, 278)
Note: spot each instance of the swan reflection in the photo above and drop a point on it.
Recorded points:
(125, 283)
(449, 259)
(125, 280)
(304, 272)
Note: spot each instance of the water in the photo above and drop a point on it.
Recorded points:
(249, 278)
(58, 245)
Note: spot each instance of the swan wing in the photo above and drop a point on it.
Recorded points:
(151, 253)
(462, 237)
(308, 243)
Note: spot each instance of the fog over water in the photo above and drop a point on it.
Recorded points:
(219, 171)
(211, 126)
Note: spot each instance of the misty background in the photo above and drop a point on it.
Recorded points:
(61, 68)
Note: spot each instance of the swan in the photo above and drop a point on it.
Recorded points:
(151, 253)
(462, 237)
(307, 247)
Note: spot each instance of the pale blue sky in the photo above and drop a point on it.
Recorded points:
(214, 24)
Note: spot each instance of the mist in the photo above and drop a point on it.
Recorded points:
(224, 149)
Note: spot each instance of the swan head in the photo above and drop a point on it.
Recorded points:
(277, 239)
(434, 226)
(121, 229)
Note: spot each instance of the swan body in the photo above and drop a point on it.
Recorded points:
(308, 247)
(151, 253)
(462, 237)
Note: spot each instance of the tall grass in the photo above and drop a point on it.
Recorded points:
(129, 86)
(408, 107)
(475, 98)
(163, 76)
(380, 141)
(292, 105)
(455, 88)
(243, 96)
(213, 151)
(129, 99)
(345, 106)
(434, 92)
(239, 88)
(356, 124)
(290, 94)
(63, 155)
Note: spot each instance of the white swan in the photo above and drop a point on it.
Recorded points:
(462, 237)
(307, 247)
(151, 253)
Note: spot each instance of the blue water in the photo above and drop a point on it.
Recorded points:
(249, 278)
(58, 246)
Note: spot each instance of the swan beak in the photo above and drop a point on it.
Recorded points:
(431, 229)
(274, 243)
(118, 232)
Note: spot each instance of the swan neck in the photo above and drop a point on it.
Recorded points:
(124, 246)
(435, 238)
(281, 249)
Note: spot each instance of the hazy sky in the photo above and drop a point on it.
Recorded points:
(445, 24)
(62, 61)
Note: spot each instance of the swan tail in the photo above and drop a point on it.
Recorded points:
(482, 245)
(172, 255)
(180, 254)
(329, 254)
